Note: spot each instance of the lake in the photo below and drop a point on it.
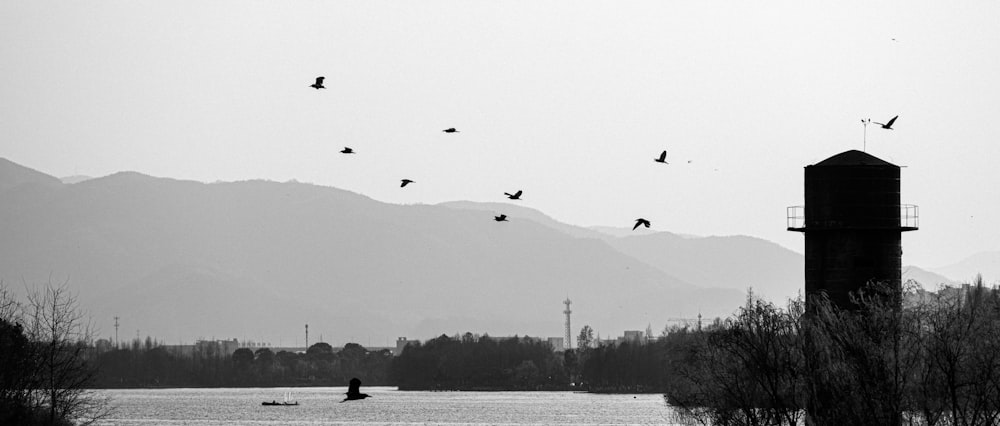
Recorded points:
(388, 406)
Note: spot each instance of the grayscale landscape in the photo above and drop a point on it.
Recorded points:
(770, 213)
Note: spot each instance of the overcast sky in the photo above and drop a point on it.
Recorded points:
(569, 101)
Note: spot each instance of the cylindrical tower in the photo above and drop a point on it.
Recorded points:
(852, 222)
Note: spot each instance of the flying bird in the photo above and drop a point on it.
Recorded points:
(640, 221)
(354, 391)
(318, 84)
(514, 196)
(347, 150)
(662, 159)
(887, 125)
(501, 218)
(405, 182)
(450, 130)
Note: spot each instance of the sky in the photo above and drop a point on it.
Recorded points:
(569, 101)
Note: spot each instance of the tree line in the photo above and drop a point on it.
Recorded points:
(892, 357)
(470, 362)
(150, 365)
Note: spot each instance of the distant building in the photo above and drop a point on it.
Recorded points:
(401, 343)
(557, 344)
(103, 345)
(633, 336)
(216, 347)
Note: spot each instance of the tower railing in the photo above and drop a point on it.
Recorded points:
(795, 218)
(909, 217)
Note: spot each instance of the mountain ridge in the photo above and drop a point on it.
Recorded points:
(271, 256)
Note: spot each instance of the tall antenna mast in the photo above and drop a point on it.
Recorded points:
(569, 337)
(307, 336)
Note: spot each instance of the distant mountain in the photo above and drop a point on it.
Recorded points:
(69, 180)
(627, 232)
(928, 280)
(180, 260)
(517, 212)
(985, 263)
(736, 262)
(13, 175)
(732, 262)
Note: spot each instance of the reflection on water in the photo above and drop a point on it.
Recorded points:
(388, 406)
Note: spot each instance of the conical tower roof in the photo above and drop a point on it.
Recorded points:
(854, 158)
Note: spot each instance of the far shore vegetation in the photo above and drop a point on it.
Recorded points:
(895, 356)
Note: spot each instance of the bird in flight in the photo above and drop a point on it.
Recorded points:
(450, 130)
(354, 391)
(514, 196)
(640, 221)
(318, 84)
(501, 218)
(887, 125)
(347, 150)
(662, 159)
(405, 182)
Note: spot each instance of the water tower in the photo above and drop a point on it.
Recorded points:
(853, 222)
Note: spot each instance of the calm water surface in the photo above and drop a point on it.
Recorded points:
(388, 406)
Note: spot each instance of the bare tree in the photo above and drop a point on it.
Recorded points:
(61, 336)
(748, 371)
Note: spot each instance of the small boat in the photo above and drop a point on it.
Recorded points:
(283, 403)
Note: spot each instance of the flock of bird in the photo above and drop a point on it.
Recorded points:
(515, 196)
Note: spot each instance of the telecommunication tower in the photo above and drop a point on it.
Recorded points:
(569, 337)
(307, 336)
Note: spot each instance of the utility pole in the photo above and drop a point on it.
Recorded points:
(117, 345)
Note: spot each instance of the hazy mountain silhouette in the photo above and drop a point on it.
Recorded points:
(735, 262)
(732, 262)
(74, 179)
(986, 263)
(257, 259)
(13, 175)
(927, 279)
(181, 259)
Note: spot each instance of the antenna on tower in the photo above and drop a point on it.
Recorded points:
(569, 336)
(865, 122)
